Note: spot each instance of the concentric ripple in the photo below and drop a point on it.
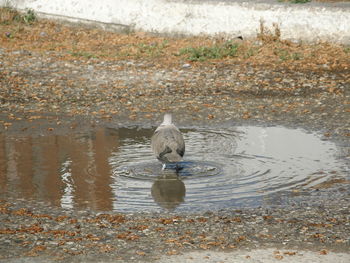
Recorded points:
(243, 166)
(115, 170)
(150, 170)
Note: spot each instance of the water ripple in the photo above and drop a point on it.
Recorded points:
(115, 170)
(233, 167)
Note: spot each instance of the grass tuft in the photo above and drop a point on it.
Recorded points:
(152, 49)
(9, 15)
(285, 54)
(227, 49)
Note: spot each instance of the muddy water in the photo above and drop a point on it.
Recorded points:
(114, 170)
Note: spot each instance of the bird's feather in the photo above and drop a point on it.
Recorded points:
(167, 142)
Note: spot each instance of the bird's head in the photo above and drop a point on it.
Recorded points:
(167, 119)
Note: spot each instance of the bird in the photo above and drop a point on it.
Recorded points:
(167, 142)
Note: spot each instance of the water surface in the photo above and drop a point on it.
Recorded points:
(114, 169)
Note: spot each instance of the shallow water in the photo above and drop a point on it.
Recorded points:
(114, 169)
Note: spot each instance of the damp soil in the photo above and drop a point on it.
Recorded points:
(45, 93)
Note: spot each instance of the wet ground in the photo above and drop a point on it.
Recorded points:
(94, 191)
(266, 165)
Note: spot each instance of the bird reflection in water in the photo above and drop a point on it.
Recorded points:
(168, 191)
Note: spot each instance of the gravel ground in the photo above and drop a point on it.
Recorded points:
(259, 256)
(80, 91)
(122, 92)
(45, 233)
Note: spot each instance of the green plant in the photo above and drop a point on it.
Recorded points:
(296, 56)
(154, 49)
(282, 54)
(228, 49)
(9, 15)
(29, 16)
(250, 52)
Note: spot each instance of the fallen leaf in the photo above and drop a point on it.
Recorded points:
(323, 252)
(290, 253)
(106, 248)
(246, 115)
(240, 238)
(202, 219)
(204, 246)
(39, 248)
(279, 257)
(139, 227)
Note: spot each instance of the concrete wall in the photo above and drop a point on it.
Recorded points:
(307, 22)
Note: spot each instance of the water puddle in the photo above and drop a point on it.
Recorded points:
(114, 169)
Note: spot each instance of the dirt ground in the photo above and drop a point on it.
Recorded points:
(71, 76)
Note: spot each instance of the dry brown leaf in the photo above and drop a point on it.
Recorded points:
(279, 257)
(106, 248)
(204, 246)
(172, 252)
(290, 253)
(323, 252)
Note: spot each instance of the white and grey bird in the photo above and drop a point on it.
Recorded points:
(167, 142)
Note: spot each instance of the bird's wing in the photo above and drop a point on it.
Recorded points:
(167, 140)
